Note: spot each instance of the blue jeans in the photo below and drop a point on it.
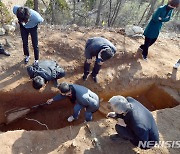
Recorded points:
(77, 109)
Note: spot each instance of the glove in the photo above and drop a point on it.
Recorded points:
(111, 115)
(49, 101)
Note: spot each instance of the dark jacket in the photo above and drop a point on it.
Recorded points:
(47, 69)
(141, 123)
(83, 96)
(95, 44)
(153, 28)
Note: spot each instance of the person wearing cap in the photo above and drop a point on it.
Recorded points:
(2, 51)
(81, 96)
(46, 70)
(102, 49)
(138, 123)
(151, 32)
(28, 20)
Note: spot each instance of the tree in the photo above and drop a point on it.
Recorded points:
(36, 5)
(99, 13)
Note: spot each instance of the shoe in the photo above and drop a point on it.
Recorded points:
(70, 119)
(176, 65)
(84, 77)
(26, 59)
(35, 62)
(2, 51)
(94, 79)
(140, 50)
(144, 58)
(116, 137)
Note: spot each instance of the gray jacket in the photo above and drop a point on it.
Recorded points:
(83, 96)
(95, 44)
(47, 69)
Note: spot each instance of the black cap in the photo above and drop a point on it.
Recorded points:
(64, 87)
(106, 54)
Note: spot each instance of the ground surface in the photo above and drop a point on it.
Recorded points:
(125, 74)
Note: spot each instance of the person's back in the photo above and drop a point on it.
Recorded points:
(98, 43)
(84, 97)
(141, 122)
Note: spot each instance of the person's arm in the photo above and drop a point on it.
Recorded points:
(156, 15)
(167, 18)
(55, 98)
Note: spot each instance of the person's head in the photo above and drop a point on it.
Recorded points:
(119, 104)
(64, 89)
(105, 54)
(38, 82)
(23, 14)
(173, 3)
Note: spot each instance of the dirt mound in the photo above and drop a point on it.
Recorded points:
(155, 83)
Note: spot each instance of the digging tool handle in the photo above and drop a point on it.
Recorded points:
(36, 106)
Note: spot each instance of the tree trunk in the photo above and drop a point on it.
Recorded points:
(36, 5)
(151, 11)
(52, 11)
(99, 13)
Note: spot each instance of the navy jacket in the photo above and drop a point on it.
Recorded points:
(141, 123)
(47, 69)
(83, 96)
(95, 44)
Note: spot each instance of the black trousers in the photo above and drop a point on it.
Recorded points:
(34, 37)
(147, 43)
(95, 71)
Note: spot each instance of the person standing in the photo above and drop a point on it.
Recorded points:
(151, 33)
(82, 96)
(139, 126)
(102, 49)
(28, 20)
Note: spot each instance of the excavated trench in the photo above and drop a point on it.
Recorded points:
(55, 116)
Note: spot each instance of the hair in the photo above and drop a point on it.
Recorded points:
(23, 14)
(64, 87)
(174, 3)
(38, 82)
(119, 104)
(106, 54)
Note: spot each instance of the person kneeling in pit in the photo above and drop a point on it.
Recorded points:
(82, 96)
(45, 71)
(135, 122)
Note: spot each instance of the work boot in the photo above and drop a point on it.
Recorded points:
(2, 51)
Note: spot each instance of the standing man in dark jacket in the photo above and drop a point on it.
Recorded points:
(2, 51)
(151, 33)
(100, 47)
(82, 96)
(46, 70)
(28, 20)
(139, 125)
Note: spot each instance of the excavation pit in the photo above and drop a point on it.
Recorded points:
(55, 116)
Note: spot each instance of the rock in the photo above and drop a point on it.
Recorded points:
(131, 30)
(9, 28)
(2, 31)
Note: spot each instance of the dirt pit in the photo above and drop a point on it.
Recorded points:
(55, 116)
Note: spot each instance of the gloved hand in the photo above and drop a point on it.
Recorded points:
(49, 101)
(111, 115)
